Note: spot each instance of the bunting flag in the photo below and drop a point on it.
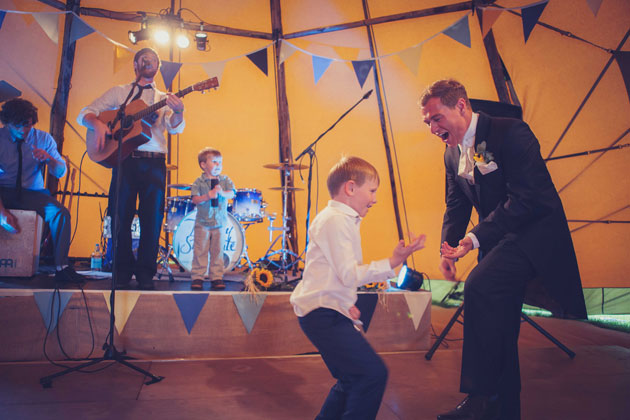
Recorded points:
(214, 69)
(530, 16)
(320, 64)
(7, 91)
(623, 60)
(362, 69)
(488, 17)
(122, 56)
(366, 303)
(459, 31)
(248, 308)
(51, 305)
(594, 5)
(169, 70)
(125, 302)
(79, 29)
(286, 51)
(259, 58)
(411, 58)
(190, 306)
(2, 15)
(417, 304)
(50, 24)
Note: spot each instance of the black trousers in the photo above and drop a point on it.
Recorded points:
(144, 181)
(361, 374)
(493, 300)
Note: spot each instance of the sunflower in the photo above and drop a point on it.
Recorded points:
(262, 277)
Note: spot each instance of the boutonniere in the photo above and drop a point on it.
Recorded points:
(484, 160)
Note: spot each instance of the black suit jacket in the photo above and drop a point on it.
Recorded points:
(517, 202)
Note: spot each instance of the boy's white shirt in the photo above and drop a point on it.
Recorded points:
(334, 263)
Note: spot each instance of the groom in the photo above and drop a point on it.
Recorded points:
(525, 247)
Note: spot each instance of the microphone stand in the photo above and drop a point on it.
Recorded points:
(311, 153)
(111, 354)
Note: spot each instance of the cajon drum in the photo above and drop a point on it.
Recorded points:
(19, 252)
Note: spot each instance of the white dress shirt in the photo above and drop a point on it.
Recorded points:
(114, 97)
(334, 263)
(466, 167)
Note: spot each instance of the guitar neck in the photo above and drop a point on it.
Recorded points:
(151, 109)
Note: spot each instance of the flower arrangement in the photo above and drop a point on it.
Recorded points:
(482, 155)
(259, 279)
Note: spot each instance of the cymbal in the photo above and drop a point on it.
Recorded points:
(285, 166)
(288, 188)
(183, 187)
(171, 167)
(179, 197)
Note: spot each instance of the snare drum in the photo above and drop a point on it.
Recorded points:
(233, 241)
(248, 206)
(176, 209)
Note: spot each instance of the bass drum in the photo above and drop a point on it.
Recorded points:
(233, 241)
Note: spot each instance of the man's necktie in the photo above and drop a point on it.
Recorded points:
(18, 180)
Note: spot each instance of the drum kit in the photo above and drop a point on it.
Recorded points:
(247, 208)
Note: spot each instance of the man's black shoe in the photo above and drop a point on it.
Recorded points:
(473, 408)
(69, 276)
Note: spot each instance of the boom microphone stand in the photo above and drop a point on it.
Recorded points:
(311, 153)
(111, 354)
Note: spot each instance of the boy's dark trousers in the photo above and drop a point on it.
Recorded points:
(360, 372)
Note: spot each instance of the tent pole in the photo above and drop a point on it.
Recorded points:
(284, 123)
(59, 108)
(381, 114)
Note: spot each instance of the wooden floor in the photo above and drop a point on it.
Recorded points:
(594, 385)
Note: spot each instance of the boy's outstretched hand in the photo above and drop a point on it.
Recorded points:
(402, 251)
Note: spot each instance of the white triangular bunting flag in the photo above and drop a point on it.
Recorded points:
(411, 58)
(124, 304)
(50, 24)
(248, 308)
(286, 51)
(417, 303)
(214, 69)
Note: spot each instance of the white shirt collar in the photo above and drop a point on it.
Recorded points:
(469, 136)
(344, 208)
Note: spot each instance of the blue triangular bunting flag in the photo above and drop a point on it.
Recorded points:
(366, 303)
(459, 31)
(169, 71)
(7, 91)
(260, 59)
(248, 308)
(51, 305)
(79, 29)
(362, 69)
(623, 60)
(320, 64)
(190, 306)
(530, 17)
(594, 5)
(2, 15)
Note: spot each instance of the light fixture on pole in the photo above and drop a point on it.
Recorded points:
(201, 38)
(161, 35)
(140, 35)
(409, 279)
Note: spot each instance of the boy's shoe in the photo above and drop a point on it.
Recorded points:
(69, 276)
(218, 285)
(197, 285)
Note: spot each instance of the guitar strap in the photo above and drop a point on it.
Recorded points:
(140, 90)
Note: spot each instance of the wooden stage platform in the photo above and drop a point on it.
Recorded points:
(181, 324)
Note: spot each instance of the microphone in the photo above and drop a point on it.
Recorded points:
(367, 95)
(145, 63)
(214, 202)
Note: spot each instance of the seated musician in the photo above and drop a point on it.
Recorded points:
(24, 151)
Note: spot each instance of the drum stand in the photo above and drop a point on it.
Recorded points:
(166, 255)
(283, 264)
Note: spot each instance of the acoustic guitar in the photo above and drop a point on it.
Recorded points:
(135, 128)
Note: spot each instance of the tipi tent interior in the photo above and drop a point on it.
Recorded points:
(288, 70)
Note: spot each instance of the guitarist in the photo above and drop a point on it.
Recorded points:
(143, 172)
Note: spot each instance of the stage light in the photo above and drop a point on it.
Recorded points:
(201, 38)
(182, 40)
(409, 279)
(140, 35)
(161, 36)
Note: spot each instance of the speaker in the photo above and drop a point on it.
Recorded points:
(497, 109)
